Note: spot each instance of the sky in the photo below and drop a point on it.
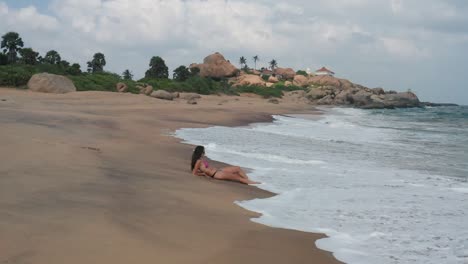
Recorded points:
(420, 45)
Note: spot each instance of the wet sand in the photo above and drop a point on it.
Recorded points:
(95, 177)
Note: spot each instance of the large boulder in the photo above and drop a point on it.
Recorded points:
(121, 87)
(285, 73)
(378, 91)
(145, 89)
(406, 99)
(362, 98)
(249, 79)
(162, 94)
(216, 66)
(301, 80)
(50, 83)
(273, 79)
(319, 93)
(331, 81)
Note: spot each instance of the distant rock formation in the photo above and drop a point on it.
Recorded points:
(248, 79)
(285, 73)
(216, 66)
(328, 90)
(50, 83)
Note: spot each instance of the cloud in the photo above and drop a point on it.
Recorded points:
(26, 18)
(402, 47)
(351, 36)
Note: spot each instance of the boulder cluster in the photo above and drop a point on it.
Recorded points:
(317, 89)
(328, 90)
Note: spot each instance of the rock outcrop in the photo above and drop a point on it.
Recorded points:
(361, 97)
(322, 80)
(301, 80)
(50, 83)
(273, 79)
(249, 79)
(216, 66)
(285, 73)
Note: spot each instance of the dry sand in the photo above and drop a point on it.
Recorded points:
(94, 177)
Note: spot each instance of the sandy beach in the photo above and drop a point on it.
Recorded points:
(96, 177)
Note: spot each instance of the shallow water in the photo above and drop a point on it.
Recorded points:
(386, 186)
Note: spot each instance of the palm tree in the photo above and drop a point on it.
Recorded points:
(11, 44)
(97, 64)
(242, 61)
(256, 58)
(127, 75)
(273, 64)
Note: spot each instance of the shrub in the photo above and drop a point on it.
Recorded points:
(99, 82)
(301, 72)
(15, 75)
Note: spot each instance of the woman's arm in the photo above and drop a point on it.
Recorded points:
(197, 169)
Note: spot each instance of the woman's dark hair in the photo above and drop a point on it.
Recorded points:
(197, 153)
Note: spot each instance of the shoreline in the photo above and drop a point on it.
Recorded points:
(120, 188)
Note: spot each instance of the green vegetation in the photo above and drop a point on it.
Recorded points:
(274, 91)
(18, 65)
(11, 44)
(181, 74)
(52, 57)
(273, 64)
(96, 65)
(158, 69)
(127, 75)
(256, 58)
(302, 72)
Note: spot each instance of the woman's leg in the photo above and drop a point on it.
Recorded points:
(227, 175)
(236, 169)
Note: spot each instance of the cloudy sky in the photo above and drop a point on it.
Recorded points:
(420, 45)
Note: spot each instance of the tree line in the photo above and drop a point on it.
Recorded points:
(273, 64)
(14, 52)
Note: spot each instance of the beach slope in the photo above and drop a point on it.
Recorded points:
(96, 177)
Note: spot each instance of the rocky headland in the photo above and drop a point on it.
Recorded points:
(310, 88)
(318, 90)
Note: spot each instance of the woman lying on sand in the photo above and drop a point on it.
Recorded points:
(200, 167)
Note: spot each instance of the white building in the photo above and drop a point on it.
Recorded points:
(324, 71)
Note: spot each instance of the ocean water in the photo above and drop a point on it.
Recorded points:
(386, 186)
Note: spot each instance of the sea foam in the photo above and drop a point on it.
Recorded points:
(383, 187)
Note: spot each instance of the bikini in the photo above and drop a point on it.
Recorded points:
(207, 165)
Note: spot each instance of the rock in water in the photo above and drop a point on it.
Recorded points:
(406, 99)
(50, 83)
